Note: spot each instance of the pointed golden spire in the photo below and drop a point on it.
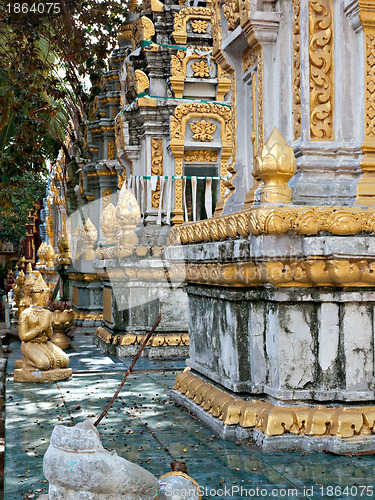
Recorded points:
(275, 165)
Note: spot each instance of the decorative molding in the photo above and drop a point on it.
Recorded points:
(84, 277)
(183, 16)
(301, 220)
(308, 272)
(231, 12)
(83, 316)
(141, 81)
(131, 339)
(143, 30)
(101, 173)
(200, 156)
(111, 150)
(181, 115)
(156, 168)
(253, 57)
(321, 69)
(366, 185)
(296, 85)
(272, 420)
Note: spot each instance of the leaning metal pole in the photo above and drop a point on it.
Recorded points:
(148, 336)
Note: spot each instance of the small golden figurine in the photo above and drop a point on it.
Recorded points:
(42, 361)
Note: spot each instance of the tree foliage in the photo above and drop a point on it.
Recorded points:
(45, 58)
(29, 188)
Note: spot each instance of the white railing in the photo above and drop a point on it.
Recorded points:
(143, 185)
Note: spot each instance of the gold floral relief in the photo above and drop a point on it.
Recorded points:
(296, 85)
(199, 156)
(201, 69)
(370, 85)
(199, 26)
(111, 150)
(203, 130)
(321, 69)
(156, 168)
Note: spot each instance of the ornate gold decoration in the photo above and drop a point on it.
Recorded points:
(275, 165)
(310, 272)
(84, 316)
(109, 224)
(253, 57)
(183, 16)
(302, 220)
(178, 128)
(226, 187)
(49, 255)
(42, 361)
(111, 150)
(128, 214)
(274, 420)
(366, 185)
(201, 69)
(232, 14)
(296, 69)
(131, 339)
(101, 173)
(141, 81)
(156, 167)
(41, 254)
(202, 131)
(200, 156)
(88, 277)
(199, 26)
(64, 258)
(89, 237)
(321, 69)
(143, 30)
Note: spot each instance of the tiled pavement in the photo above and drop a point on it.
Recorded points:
(144, 426)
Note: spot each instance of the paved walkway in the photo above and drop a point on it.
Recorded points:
(144, 426)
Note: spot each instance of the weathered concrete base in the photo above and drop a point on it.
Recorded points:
(37, 376)
(286, 442)
(160, 352)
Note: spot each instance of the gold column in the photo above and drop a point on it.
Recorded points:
(366, 186)
(156, 168)
(321, 69)
(296, 69)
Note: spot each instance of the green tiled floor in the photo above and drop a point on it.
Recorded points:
(144, 426)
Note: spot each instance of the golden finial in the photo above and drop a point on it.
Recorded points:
(49, 255)
(128, 214)
(109, 224)
(89, 237)
(275, 165)
(29, 268)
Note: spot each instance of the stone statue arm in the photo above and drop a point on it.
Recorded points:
(26, 334)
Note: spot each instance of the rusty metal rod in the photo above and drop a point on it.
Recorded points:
(149, 335)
